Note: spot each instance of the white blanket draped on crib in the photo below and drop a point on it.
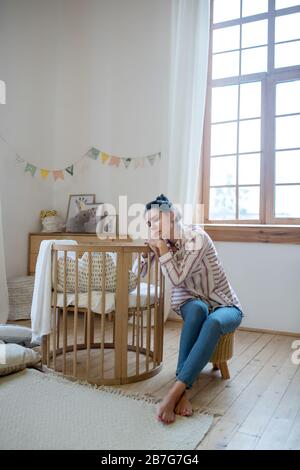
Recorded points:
(41, 301)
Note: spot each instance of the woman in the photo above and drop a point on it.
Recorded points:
(201, 295)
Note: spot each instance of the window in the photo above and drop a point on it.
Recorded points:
(251, 146)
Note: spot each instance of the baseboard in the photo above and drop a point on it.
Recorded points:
(270, 332)
(252, 330)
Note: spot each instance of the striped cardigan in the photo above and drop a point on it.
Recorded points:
(195, 272)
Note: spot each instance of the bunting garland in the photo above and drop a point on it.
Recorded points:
(94, 154)
(70, 170)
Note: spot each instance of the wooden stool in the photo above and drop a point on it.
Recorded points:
(222, 354)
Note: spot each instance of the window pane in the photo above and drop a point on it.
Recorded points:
(225, 39)
(222, 171)
(249, 202)
(253, 7)
(225, 65)
(222, 203)
(249, 136)
(288, 166)
(249, 168)
(230, 12)
(287, 27)
(288, 97)
(250, 100)
(286, 3)
(254, 60)
(287, 201)
(287, 132)
(255, 33)
(224, 103)
(223, 138)
(287, 54)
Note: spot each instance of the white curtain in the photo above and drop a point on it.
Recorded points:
(188, 81)
(3, 284)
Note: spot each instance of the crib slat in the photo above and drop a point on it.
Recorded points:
(133, 327)
(138, 303)
(148, 332)
(75, 330)
(88, 350)
(54, 308)
(103, 299)
(161, 314)
(48, 350)
(155, 352)
(65, 315)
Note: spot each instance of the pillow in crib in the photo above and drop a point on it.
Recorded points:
(96, 276)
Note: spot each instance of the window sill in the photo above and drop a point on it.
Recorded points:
(249, 233)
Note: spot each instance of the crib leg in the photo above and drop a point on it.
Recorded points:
(215, 366)
(92, 329)
(58, 327)
(44, 349)
(113, 329)
(85, 328)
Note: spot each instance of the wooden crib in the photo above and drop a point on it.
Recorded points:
(120, 341)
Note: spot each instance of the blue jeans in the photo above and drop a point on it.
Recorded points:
(200, 334)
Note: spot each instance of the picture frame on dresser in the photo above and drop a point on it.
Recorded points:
(76, 201)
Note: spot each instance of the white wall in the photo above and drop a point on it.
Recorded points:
(266, 278)
(95, 72)
(79, 74)
(119, 74)
(26, 121)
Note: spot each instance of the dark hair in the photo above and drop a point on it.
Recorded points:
(162, 202)
(164, 205)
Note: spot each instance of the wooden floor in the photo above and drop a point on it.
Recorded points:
(258, 408)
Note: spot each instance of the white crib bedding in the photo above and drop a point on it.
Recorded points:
(110, 299)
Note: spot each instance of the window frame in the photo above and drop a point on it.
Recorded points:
(268, 81)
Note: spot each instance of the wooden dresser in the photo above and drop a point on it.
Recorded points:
(35, 239)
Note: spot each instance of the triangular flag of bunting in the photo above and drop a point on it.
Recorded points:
(115, 161)
(30, 169)
(127, 162)
(94, 153)
(19, 159)
(104, 157)
(58, 174)
(139, 162)
(151, 159)
(44, 173)
(70, 170)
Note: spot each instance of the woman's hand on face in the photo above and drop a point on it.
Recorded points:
(159, 246)
(152, 248)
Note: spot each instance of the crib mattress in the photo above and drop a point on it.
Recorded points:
(110, 299)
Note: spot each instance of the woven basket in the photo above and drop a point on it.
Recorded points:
(224, 349)
(20, 290)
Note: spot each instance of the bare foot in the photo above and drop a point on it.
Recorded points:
(184, 406)
(166, 409)
(165, 412)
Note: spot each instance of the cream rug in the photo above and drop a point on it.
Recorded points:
(43, 411)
